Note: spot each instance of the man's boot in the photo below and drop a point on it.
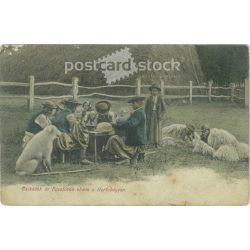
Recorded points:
(122, 162)
(141, 157)
(83, 159)
(133, 161)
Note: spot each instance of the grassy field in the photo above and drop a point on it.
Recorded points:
(14, 117)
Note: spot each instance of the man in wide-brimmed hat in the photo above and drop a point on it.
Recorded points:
(60, 121)
(39, 121)
(132, 148)
(103, 112)
(155, 109)
(74, 133)
(59, 108)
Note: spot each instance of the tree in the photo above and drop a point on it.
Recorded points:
(224, 64)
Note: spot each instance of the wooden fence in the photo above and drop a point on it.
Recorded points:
(234, 92)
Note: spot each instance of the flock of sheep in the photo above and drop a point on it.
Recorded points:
(220, 143)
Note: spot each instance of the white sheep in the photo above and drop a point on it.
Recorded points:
(178, 134)
(220, 144)
(169, 141)
(219, 137)
(225, 146)
(226, 153)
(243, 151)
(175, 130)
(202, 147)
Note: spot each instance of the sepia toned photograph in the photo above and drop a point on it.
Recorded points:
(149, 124)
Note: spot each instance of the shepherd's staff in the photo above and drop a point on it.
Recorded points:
(62, 172)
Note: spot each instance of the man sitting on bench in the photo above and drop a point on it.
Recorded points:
(75, 134)
(135, 126)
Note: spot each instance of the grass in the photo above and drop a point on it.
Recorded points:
(14, 117)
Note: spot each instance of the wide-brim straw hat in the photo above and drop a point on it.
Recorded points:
(49, 105)
(155, 86)
(102, 107)
(105, 127)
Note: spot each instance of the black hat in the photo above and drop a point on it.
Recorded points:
(136, 99)
(154, 86)
(102, 107)
(204, 127)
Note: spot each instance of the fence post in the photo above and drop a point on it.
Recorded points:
(31, 93)
(138, 87)
(162, 86)
(75, 81)
(210, 83)
(247, 92)
(190, 92)
(232, 91)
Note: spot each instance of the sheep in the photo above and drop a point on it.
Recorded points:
(37, 151)
(220, 144)
(243, 151)
(174, 130)
(180, 131)
(226, 146)
(219, 137)
(168, 141)
(226, 153)
(202, 147)
(178, 134)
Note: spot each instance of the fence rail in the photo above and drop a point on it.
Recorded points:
(234, 92)
(16, 84)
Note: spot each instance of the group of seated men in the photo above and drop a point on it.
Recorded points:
(74, 120)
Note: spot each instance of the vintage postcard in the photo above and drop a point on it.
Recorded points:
(124, 124)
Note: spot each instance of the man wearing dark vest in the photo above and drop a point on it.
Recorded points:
(75, 134)
(39, 121)
(135, 126)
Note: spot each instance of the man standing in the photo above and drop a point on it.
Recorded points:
(155, 109)
(39, 121)
(135, 126)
